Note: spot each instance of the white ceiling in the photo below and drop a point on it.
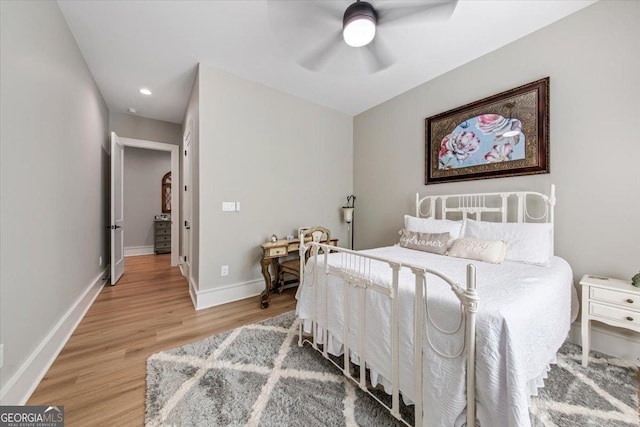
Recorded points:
(157, 44)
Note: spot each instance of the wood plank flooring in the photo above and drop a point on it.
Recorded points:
(99, 376)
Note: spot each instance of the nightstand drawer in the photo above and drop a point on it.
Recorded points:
(622, 299)
(616, 314)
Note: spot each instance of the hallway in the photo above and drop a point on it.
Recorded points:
(99, 377)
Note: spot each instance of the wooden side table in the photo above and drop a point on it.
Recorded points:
(271, 252)
(611, 301)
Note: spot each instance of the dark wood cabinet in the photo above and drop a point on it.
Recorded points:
(162, 236)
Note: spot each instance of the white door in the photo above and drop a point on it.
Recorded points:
(117, 209)
(186, 191)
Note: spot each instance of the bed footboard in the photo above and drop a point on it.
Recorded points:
(354, 270)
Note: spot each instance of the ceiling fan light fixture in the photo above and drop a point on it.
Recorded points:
(359, 24)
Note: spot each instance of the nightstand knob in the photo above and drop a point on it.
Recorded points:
(629, 300)
(630, 319)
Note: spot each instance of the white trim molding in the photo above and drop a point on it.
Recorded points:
(206, 298)
(193, 292)
(615, 342)
(24, 382)
(138, 250)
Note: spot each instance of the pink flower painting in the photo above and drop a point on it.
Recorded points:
(506, 134)
(461, 145)
(499, 153)
(497, 139)
(444, 151)
(491, 123)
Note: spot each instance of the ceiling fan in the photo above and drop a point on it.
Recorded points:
(361, 22)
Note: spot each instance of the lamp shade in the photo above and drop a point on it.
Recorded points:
(348, 214)
(359, 32)
(359, 24)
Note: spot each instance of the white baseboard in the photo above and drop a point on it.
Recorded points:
(139, 250)
(181, 267)
(221, 295)
(23, 383)
(615, 342)
(193, 292)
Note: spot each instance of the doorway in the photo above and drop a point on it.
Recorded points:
(117, 226)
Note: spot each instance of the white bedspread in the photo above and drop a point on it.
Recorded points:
(524, 316)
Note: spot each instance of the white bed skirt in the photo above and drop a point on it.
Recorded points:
(335, 347)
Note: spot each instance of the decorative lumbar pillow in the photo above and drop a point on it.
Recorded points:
(528, 242)
(428, 242)
(434, 226)
(492, 251)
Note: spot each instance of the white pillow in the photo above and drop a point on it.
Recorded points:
(434, 226)
(528, 242)
(492, 251)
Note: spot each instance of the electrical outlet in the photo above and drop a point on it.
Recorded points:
(100, 261)
(224, 271)
(1, 355)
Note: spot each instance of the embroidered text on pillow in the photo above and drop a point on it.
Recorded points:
(414, 240)
(476, 246)
(427, 242)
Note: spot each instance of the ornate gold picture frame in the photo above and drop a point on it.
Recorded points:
(503, 135)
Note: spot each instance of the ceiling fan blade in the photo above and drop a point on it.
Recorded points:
(329, 10)
(287, 12)
(432, 11)
(377, 56)
(322, 53)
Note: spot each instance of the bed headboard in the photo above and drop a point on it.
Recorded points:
(502, 207)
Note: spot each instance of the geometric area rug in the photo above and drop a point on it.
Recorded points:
(603, 394)
(256, 375)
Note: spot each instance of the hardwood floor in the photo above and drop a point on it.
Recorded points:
(99, 376)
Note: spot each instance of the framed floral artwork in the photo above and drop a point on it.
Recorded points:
(503, 135)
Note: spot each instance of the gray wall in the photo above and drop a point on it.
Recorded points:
(593, 59)
(143, 172)
(130, 126)
(288, 161)
(53, 176)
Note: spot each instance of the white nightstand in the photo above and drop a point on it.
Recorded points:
(612, 301)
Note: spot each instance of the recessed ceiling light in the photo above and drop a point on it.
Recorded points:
(132, 110)
(145, 91)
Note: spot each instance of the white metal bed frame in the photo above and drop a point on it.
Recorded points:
(355, 272)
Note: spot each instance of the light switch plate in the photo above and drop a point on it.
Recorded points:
(228, 206)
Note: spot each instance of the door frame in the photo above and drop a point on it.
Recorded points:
(175, 187)
(187, 202)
